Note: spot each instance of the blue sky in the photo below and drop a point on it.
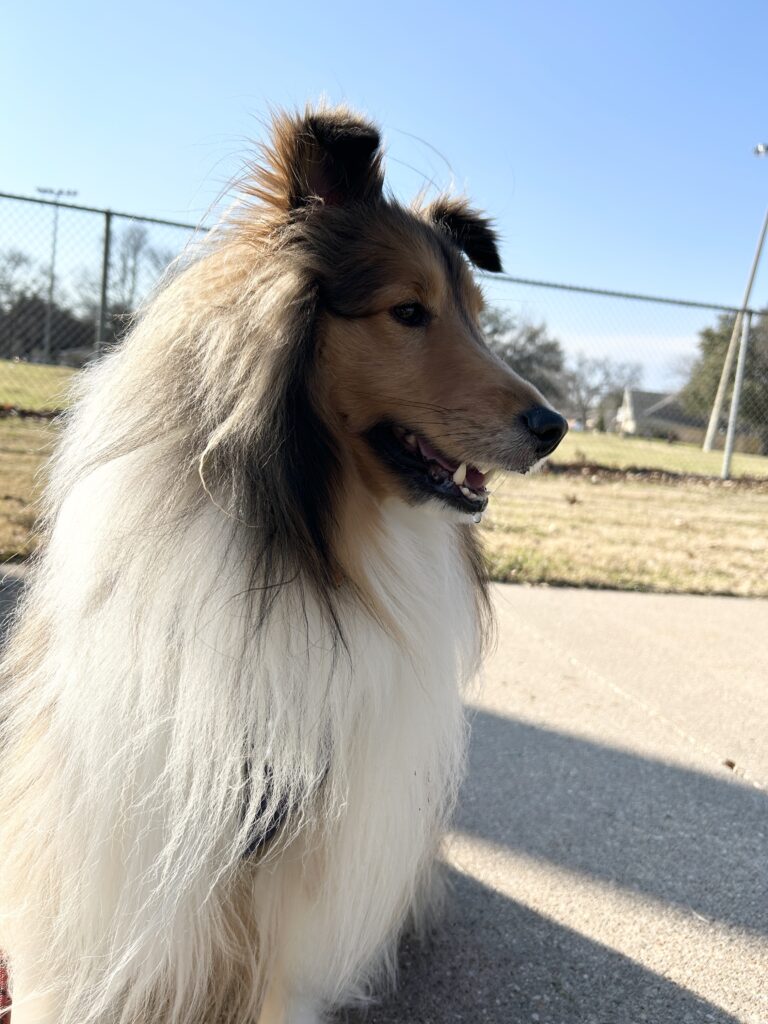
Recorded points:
(611, 140)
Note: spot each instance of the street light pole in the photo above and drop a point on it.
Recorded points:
(57, 193)
(725, 376)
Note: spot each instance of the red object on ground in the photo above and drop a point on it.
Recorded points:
(5, 993)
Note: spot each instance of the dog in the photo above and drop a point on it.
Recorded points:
(232, 727)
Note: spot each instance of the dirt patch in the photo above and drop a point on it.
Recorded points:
(591, 470)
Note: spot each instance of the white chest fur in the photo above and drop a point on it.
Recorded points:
(156, 690)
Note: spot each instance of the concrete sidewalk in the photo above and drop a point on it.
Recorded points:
(610, 857)
(609, 866)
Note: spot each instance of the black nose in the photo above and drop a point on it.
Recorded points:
(547, 426)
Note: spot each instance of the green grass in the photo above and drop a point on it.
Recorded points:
(33, 387)
(623, 452)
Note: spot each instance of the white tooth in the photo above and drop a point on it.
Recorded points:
(489, 476)
(466, 492)
(410, 440)
(460, 475)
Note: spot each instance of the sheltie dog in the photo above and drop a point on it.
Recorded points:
(232, 731)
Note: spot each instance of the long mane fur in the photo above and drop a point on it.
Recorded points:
(190, 668)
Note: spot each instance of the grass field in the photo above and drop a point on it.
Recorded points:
(624, 452)
(29, 386)
(566, 528)
(580, 528)
(630, 534)
(44, 388)
(24, 445)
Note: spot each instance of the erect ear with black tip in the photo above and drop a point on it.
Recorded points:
(469, 229)
(331, 155)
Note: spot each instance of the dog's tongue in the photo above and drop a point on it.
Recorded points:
(475, 479)
(429, 453)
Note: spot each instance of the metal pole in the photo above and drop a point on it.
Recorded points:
(717, 408)
(57, 193)
(730, 437)
(51, 281)
(104, 297)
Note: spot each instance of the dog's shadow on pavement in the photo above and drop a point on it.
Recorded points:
(646, 828)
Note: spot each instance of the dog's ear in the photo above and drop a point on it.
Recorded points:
(329, 155)
(469, 229)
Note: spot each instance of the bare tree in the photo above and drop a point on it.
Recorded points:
(19, 277)
(125, 272)
(133, 265)
(594, 383)
(159, 258)
(527, 348)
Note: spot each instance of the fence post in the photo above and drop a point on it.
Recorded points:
(725, 377)
(714, 419)
(104, 298)
(51, 282)
(730, 437)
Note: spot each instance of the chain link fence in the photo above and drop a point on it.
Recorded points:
(637, 377)
(627, 365)
(645, 368)
(70, 278)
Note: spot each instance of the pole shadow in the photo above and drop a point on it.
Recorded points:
(499, 962)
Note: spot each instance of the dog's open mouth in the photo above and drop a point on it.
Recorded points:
(429, 472)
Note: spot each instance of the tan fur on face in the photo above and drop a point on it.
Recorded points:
(441, 381)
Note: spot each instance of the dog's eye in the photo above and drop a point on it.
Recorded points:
(412, 314)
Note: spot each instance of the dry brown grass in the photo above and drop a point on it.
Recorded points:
(31, 386)
(24, 446)
(688, 537)
(559, 529)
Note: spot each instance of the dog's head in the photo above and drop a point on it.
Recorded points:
(403, 376)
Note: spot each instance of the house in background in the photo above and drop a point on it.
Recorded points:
(656, 414)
